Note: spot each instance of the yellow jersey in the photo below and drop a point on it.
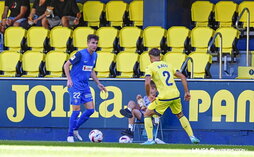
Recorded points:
(163, 76)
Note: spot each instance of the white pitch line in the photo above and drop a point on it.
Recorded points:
(10, 150)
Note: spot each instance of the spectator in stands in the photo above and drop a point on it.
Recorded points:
(63, 12)
(37, 16)
(19, 12)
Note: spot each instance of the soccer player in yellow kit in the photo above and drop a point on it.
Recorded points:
(169, 96)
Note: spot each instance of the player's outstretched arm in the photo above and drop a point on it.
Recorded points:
(187, 95)
(67, 73)
(96, 80)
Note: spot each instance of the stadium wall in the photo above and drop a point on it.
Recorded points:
(220, 111)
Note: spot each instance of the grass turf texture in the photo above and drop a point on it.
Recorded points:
(45, 148)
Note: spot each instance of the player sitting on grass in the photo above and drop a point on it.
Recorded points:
(136, 111)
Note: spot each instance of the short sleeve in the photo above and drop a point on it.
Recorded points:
(75, 58)
(148, 71)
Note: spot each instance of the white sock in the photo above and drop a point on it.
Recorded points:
(129, 109)
(150, 139)
(131, 127)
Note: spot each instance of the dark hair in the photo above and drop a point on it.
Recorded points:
(92, 36)
(153, 85)
(155, 52)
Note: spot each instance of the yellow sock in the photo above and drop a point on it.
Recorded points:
(149, 127)
(186, 125)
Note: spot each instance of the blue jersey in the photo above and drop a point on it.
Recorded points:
(82, 65)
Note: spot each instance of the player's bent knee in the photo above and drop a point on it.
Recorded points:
(131, 104)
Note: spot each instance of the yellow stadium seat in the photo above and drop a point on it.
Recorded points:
(152, 36)
(36, 37)
(144, 61)
(80, 37)
(54, 62)
(201, 63)
(9, 62)
(104, 62)
(32, 63)
(115, 12)
(200, 37)
(229, 36)
(107, 37)
(177, 37)
(129, 37)
(136, 12)
(126, 63)
(250, 6)
(13, 38)
(176, 59)
(59, 37)
(92, 11)
(224, 13)
(200, 12)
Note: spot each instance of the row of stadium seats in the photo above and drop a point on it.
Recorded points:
(112, 65)
(221, 14)
(113, 13)
(122, 65)
(177, 39)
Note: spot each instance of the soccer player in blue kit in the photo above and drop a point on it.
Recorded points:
(82, 63)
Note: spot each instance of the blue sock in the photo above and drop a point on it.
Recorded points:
(72, 122)
(84, 117)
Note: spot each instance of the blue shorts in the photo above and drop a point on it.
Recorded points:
(78, 97)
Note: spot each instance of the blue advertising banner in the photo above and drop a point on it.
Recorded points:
(45, 103)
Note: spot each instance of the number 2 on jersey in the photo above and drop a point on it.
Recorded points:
(167, 75)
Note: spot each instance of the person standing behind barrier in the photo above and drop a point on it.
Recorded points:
(19, 9)
(169, 96)
(37, 15)
(82, 63)
(63, 12)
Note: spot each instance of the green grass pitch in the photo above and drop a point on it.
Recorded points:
(87, 149)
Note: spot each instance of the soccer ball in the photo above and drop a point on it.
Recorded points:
(96, 136)
(124, 139)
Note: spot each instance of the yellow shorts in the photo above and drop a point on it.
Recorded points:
(160, 106)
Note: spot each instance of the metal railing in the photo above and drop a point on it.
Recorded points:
(248, 31)
(220, 51)
(192, 65)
